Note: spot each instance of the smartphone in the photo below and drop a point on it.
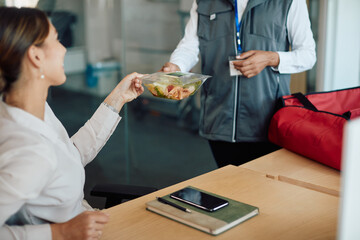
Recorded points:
(199, 199)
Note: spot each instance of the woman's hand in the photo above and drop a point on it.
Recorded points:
(130, 87)
(127, 90)
(87, 225)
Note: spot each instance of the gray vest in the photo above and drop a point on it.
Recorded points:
(239, 109)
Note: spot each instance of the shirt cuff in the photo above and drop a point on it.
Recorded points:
(29, 232)
(182, 67)
(111, 107)
(275, 69)
(284, 58)
(106, 116)
(38, 232)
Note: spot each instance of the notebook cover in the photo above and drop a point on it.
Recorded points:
(211, 222)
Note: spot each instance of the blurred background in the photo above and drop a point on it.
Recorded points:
(157, 143)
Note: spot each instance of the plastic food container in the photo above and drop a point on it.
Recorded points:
(174, 85)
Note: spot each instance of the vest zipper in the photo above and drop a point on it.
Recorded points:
(235, 110)
(235, 95)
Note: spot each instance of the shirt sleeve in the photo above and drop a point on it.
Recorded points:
(29, 232)
(91, 138)
(25, 171)
(302, 56)
(186, 53)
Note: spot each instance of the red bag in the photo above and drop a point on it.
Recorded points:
(312, 124)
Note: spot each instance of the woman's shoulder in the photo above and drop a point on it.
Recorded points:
(17, 134)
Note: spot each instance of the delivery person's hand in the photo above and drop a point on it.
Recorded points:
(170, 67)
(254, 61)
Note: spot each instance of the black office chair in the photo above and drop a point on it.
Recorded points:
(117, 193)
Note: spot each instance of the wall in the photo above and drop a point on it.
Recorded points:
(152, 33)
(148, 30)
(76, 7)
(339, 48)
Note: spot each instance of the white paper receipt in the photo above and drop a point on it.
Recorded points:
(233, 70)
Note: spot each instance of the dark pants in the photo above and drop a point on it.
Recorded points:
(240, 152)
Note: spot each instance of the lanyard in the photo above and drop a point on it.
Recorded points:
(238, 25)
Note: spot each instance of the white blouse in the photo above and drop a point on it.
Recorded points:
(301, 57)
(42, 170)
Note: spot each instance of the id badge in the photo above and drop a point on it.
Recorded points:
(233, 70)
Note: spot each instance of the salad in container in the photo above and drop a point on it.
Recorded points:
(173, 85)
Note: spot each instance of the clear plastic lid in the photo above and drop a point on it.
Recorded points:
(174, 85)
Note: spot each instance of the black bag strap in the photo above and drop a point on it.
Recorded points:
(347, 115)
(304, 101)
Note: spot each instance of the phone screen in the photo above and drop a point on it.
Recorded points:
(199, 199)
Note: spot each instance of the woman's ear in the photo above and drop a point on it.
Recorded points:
(35, 56)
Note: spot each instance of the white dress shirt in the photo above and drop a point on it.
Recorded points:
(301, 58)
(42, 170)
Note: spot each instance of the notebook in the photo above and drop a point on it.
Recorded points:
(213, 223)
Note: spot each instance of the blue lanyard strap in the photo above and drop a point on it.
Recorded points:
(238, 25)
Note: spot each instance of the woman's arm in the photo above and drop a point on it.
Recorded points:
(30, 232)
(27, 164)
(91, 138)
(26, 167)
(88, 225)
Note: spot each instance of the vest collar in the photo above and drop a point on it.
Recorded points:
(232, 2)
(251, 3)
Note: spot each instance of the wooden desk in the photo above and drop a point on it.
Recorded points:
(290, 167)
(286, 211)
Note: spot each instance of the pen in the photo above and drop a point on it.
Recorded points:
(162, 200)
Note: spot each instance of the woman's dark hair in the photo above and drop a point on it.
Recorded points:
(19, 29)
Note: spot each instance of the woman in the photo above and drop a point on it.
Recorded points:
(41, 168)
